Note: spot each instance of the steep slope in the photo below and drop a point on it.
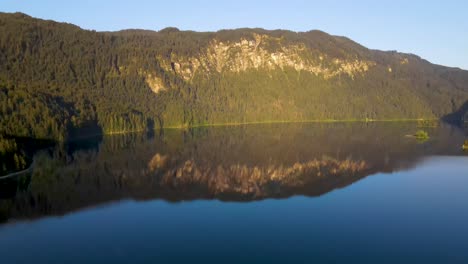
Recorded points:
(134, 80)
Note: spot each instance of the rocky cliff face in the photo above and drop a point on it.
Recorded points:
(263, 52)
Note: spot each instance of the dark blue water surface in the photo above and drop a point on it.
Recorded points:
(244, 195)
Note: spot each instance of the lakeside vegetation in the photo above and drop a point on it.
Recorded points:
(11, 157)
(60, 82)
(428, 123)
(301, 121)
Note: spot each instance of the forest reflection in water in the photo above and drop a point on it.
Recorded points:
(238, 163)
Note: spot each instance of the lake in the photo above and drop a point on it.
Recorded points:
(272, 193)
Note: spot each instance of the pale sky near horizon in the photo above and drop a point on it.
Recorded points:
(434, 30)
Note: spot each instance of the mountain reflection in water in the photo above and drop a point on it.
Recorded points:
(240, 163)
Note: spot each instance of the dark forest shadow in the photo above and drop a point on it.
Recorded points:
(458, 117)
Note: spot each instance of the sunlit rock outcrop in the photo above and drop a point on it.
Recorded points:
(155, 83)
(267, 53)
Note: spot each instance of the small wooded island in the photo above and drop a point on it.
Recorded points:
(421, 135)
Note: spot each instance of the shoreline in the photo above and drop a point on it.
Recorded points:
(186, 127)
(14, 174)
(303, 121)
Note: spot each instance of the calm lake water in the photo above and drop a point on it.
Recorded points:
(304, 193)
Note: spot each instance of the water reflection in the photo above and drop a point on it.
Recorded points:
(227, 163)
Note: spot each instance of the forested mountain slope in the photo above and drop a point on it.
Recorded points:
(59, 81)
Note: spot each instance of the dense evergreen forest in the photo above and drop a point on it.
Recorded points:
(58, 81)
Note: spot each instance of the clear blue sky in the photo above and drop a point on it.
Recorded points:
(435, 30)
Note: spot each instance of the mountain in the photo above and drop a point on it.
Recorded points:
(59, 81)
